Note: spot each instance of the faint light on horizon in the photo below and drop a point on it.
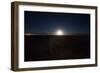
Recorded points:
(28, 34)
(59, 32)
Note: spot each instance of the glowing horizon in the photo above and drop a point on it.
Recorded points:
(59, 32)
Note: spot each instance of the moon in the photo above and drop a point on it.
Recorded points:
(59, 32)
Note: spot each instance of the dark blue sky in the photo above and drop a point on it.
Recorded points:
(44, 22)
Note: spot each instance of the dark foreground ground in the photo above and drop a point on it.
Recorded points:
(51, 47)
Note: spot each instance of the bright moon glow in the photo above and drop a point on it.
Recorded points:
(59, 32)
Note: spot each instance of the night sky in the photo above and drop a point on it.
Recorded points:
(49, 22)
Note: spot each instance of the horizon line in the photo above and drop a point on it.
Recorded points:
(54, 33)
